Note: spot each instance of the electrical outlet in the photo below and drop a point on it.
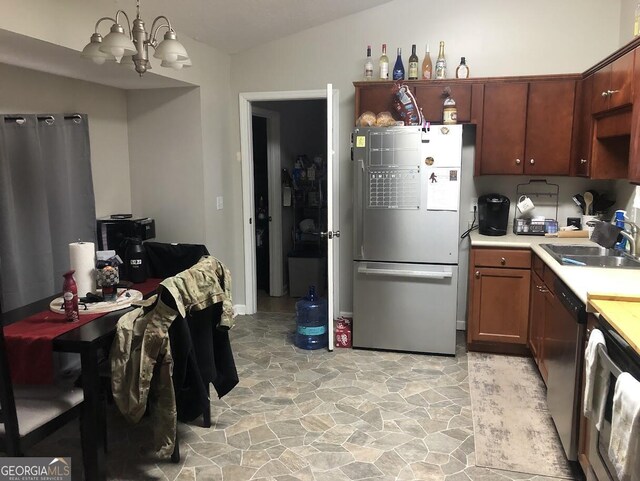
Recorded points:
(474, 204)
(219, 202)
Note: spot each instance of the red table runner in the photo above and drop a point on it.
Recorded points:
(29, 342)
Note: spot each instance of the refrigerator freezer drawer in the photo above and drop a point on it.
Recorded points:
(405, 307)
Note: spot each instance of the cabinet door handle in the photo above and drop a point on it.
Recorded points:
(611, 92)
(583, 161)
(532, 161)
(543, 289)
(477, 274)
(605, 94)
(518, 161)
(503, 261)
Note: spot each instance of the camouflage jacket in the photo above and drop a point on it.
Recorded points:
(206, 283)
(141, 361)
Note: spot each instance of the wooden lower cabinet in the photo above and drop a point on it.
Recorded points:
(537, 322)
(498, 303)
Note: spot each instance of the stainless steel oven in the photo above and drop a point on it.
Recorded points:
(620, 357)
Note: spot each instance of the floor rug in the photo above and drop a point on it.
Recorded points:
(512, 426)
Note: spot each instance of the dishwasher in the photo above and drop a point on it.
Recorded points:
(564, 338)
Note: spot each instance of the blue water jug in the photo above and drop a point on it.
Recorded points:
(311, 321)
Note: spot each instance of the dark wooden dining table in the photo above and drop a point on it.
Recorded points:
(88, 340)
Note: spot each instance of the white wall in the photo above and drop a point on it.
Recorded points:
(166, 162)
(28, 91)
(196, 158)
(498, 37)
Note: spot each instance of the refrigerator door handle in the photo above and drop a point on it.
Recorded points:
(405, 273)
(360, 208)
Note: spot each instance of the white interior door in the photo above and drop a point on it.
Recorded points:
(333, 228)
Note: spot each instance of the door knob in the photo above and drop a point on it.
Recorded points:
(477, 274)
(583, 161)
(518, 161)
(269, 218)
(336, 233)
(605, 94)
(503, 261)
(328, 234)
(532, 161)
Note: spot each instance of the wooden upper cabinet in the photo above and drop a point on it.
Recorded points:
(503, 127)
(430, 99)
(613, 84)
(376, 97)
(634, 147)
(549, 127)
(582, 129)
(527, 127)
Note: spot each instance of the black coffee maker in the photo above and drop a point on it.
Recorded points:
(493, 214)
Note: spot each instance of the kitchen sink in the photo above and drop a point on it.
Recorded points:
(590, 256)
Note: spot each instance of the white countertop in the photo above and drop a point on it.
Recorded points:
(581, 280)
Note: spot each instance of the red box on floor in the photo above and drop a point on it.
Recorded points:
(343, 332)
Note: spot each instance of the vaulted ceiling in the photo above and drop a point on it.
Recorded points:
(236, 25)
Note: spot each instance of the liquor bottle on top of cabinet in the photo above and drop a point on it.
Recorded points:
(368, 65)
(413, 64)
(441, 63)
(384, 63)
(427, 66)
(450, 111)
(398, 68)
(462, 71)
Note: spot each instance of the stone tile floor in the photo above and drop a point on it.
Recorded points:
(314, 415)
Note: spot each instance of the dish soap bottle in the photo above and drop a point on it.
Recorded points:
(619, 219)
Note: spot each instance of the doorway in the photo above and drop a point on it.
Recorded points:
(300, 194)
(302, 204)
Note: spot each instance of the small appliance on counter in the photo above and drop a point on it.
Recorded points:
(113, 230)
(493, 214)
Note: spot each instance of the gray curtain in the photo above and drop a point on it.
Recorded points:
(46, 202)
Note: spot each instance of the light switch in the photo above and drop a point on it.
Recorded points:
(219, 202)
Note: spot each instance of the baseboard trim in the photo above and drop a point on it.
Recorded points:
(461, 325)
(240, 309)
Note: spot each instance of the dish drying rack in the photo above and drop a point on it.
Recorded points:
(545, 195)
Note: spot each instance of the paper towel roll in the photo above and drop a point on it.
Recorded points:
(82, 260)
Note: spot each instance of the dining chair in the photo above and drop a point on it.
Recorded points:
(28, 414)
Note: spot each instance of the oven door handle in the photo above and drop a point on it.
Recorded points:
(619, 339)
(608, 363)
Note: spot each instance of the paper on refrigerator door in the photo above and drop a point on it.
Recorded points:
(443, 188)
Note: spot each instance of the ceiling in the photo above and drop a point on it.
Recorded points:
(231, 26)
(236, 25)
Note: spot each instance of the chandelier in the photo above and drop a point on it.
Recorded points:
(131, 47)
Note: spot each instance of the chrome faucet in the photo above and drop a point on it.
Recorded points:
(631, 235)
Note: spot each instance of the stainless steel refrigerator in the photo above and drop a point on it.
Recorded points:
(406, 233)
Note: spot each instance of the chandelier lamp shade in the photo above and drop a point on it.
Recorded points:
(130, 47)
